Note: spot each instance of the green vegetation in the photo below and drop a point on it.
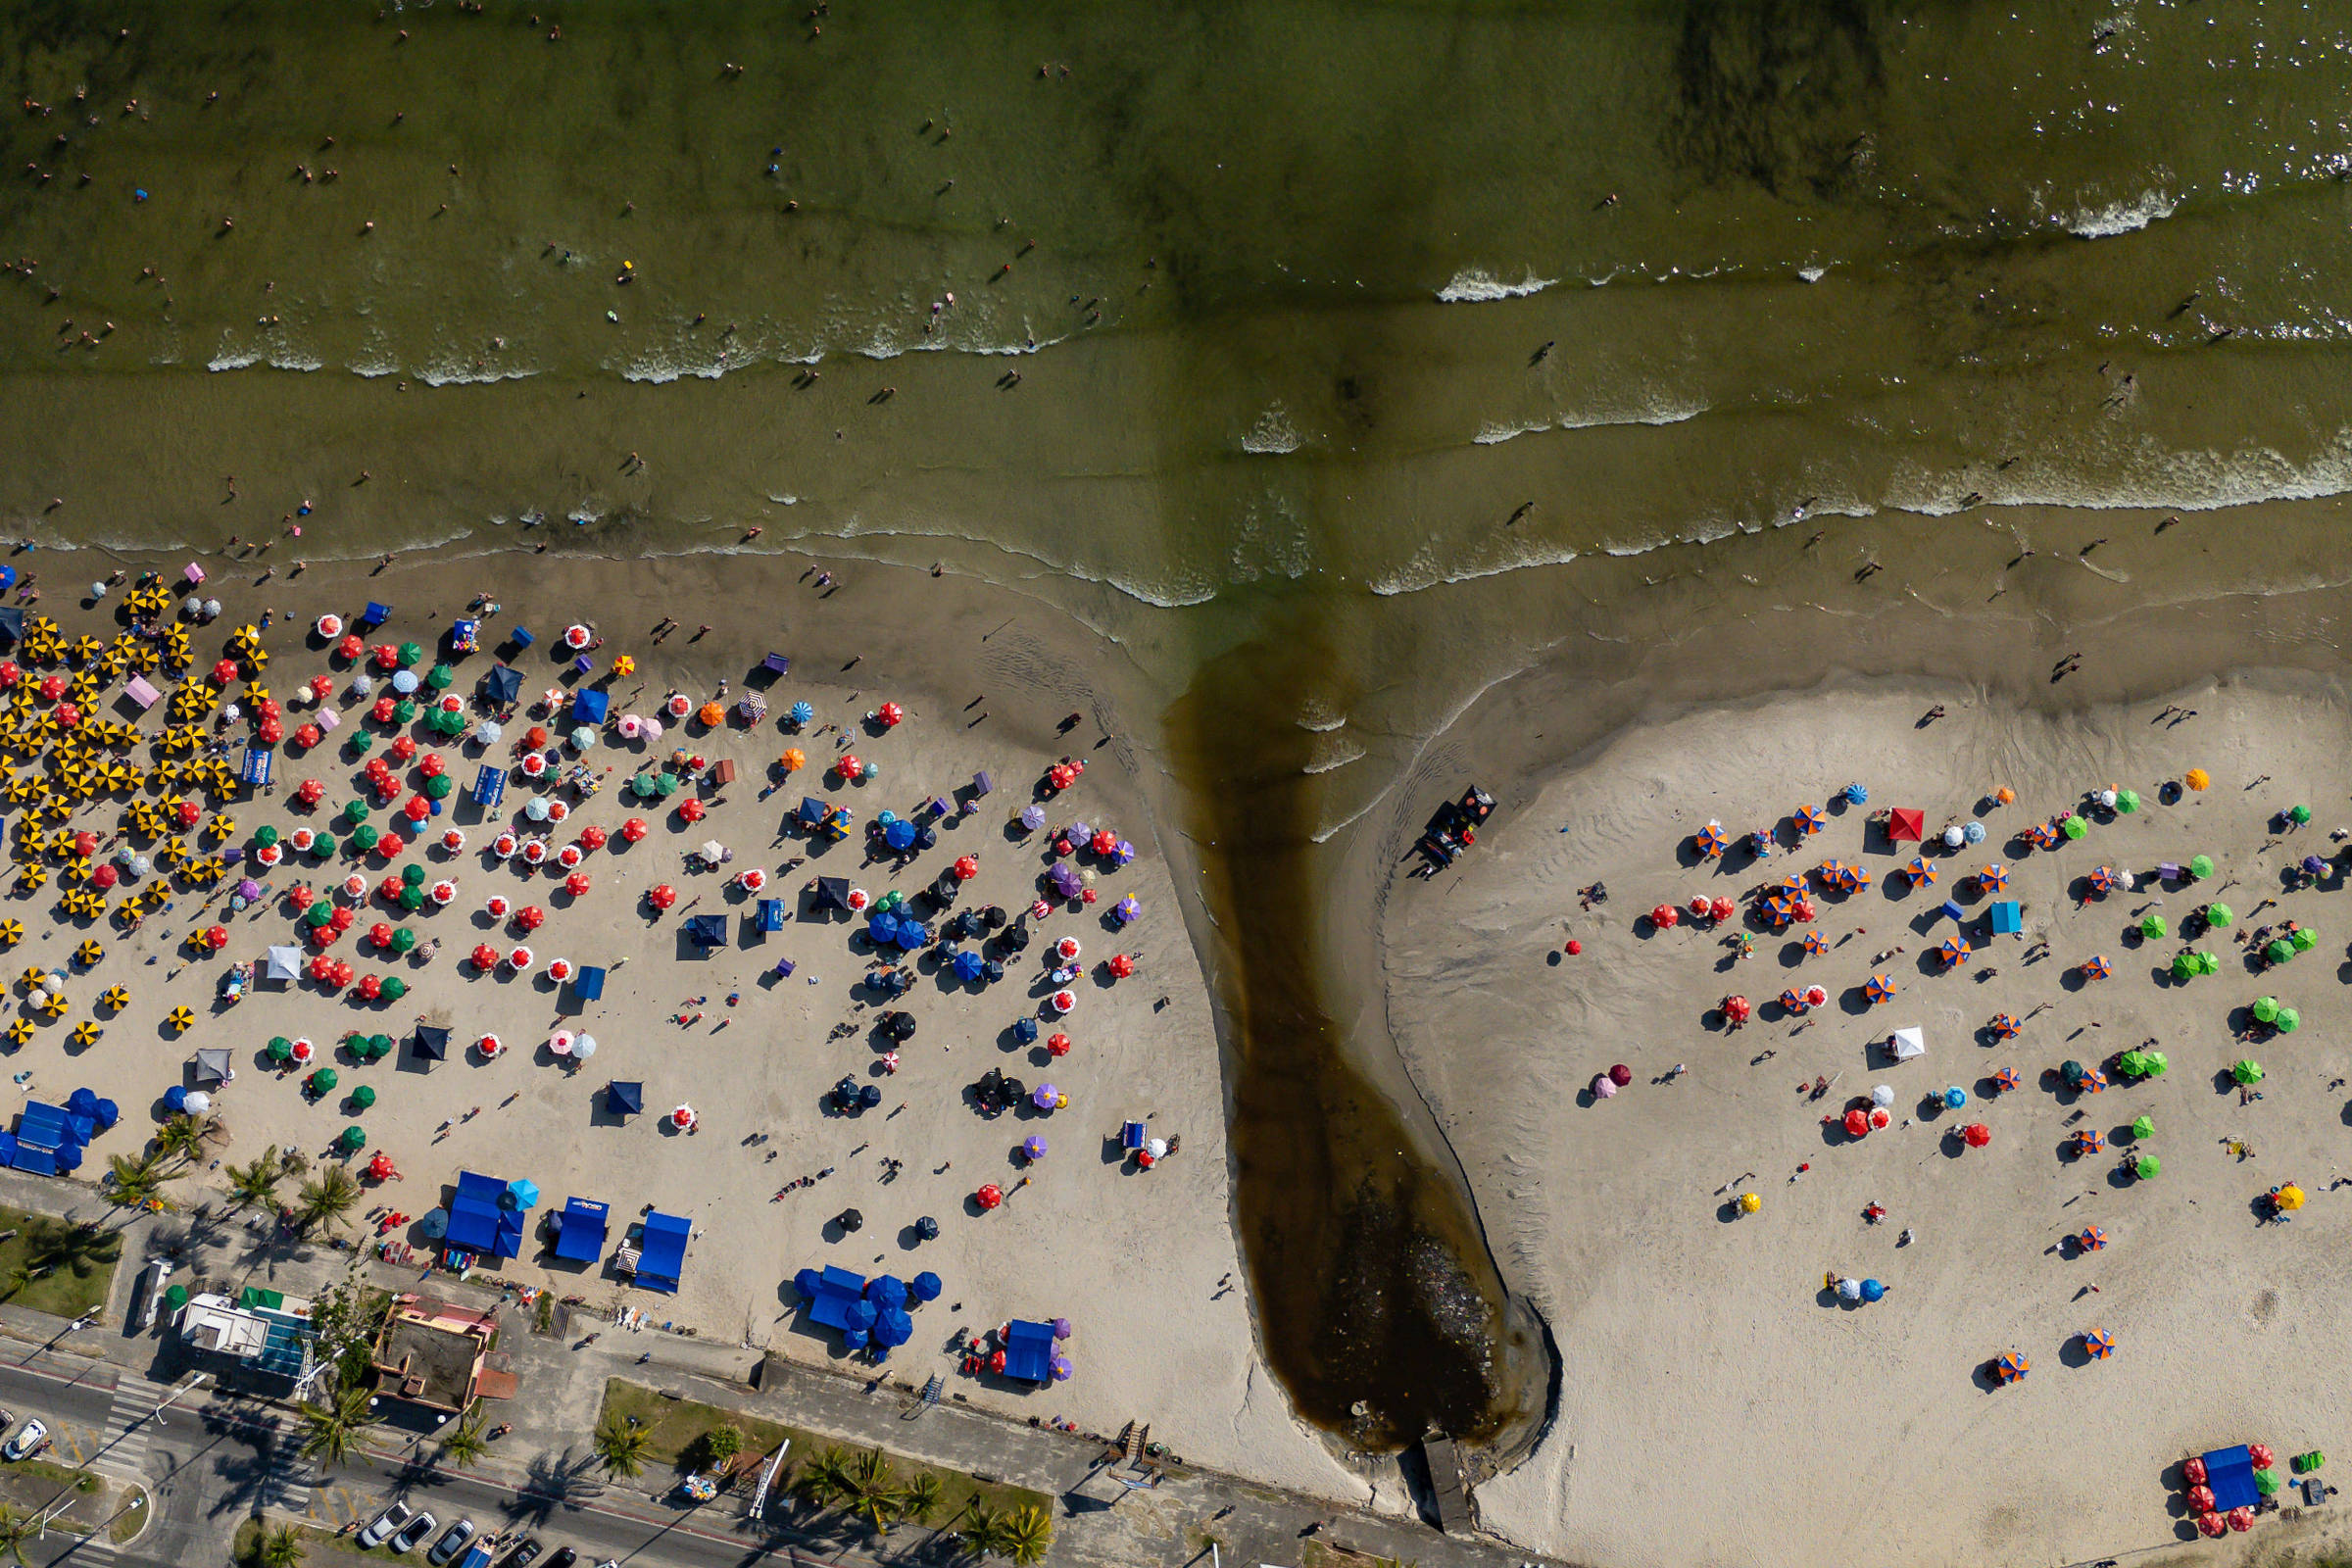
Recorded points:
(16, 1527)
(715, 1446)
(1021, 1536)
(55, 1266)
(279, 1547)
(332, 1426)
(328, 1201)
(136, 1183)
(464, 1445)
(255, 1185)
(622, 1448)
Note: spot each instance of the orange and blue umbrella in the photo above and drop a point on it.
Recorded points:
(1921, 871)
(2098, 1343)
(1711, 840)
(1815, 942)
(1994, 878)
(2012, 1366)
(1793, 1001)
(2094, 1240)
(1810, 819)
(2093, 1081)
(2005, 1080)
(2004, 1026)
(1831, 870)
(2089, 1140)
(1792, 884)
(1954, 951)
(2103, 879)
(1854, 880)
(1878, 989)
(2096, 968)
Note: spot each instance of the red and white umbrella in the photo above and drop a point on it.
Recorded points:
(443, 891)
(304, 1050)
(454, 840)
(859, 898)
(1067, 947)
(534, 764)
(558, 969)
(752, 880)
(683, 1118)
(490, 1047)
(520, 960)
(535, 851)
(679, 705)
(578, 637)
(498, 908)
(1063, 1002)
(557, 811)
(302, 838)
(570, 855)
(560, 1043)
(328, 627)
(355, 887)
(269, 854)
(503, 846)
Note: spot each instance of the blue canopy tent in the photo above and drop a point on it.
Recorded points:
(2230, 1472)
(489, 786)
(12, 624)
(813, 812)
(589, 706)
(624, 1099)
(589, 984)
(831, 1294)
(707, 930)
(772, 915)
(374, 616)
(502, 684)
(2008, 917)
(253, 770)
(580, 1229)
(662, 1255)
(1029, 1350)
(432, 1043)
(479, 1223)
(43, 1126)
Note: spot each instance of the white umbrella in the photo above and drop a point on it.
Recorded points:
(1883, 1095)
(713, 852)
(362, 685)
(535, 808)
(583, 737)
(583, 1047)
(1849, 1290)
(199, 1103)
(2107, 798)
(403, 681)
(98, 590)
(1953, 837)
(490, 732)
(193, 604)
(652, 729)
(211, 607)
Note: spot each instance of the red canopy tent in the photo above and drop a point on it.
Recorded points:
(1906, 823)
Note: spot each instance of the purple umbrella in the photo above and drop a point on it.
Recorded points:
(1034, 1147)
(248, 890)
(1127, 910)
(2315, 865)
(1045, 1097)
(1123, 851)
(1061, 1328)
(1033, 817)
(1065, 877)
(1061, 1370)
(1079, 833)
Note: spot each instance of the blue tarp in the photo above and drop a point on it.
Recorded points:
(589, 706)
(2008, 919)
(772, 915)
(624, 1099)
(33, 1161)
(11, 625)
(489, 786)
(707, 930)
(662, 1255)
(589, 984)
(464, 635)
(580, 1233)
(255, 769)
(2230, 1472)
(476, 1222)
(502, 683)
(1029, 1350)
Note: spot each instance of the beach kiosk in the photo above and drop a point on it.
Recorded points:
(253, 770)
(2008, 917)
(1905, 1044)
(479, 1220)
(489, 786)
(580, 1229)
(1029, 1350)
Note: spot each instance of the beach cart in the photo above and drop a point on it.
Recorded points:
(1131, 1136)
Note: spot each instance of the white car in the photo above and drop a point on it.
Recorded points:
(391, 1519)
(30, 1436)
(410, 1538)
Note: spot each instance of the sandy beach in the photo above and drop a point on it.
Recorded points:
(1702, 1342)
(1143, 1263)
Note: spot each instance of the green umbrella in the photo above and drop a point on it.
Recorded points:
(438, 787)
(364, 837)
(379, 1047)
(2298, 815)
(2143, 1126)
(281, 1048)
(2157, 1062)
(360, 740)
(2266, 1482)
(439, 678)
(2135, 1063)
(2207, 964)
(352, 1140)
(2219, 914)
(176, 1297)
(2290, 1020)
(2304, 938)
(448, 723)
(2073, 827)
(2148, 1166)
(2185, 965)
(2247, 1071)
(2266, 1009)
(355, 811)
(403, 711)
(319, 915)
(403, 940)
(323, 1080)
(324, 845)
(643, 786)
(411, 654)
(411, 874)
(2201, 866)
(2280, 951)
(2127, 800)
(363, 1096)
(2073, 1072)
(411, 899)
(666, 785)
(2153, 927)
(395, 988)
(264, 836)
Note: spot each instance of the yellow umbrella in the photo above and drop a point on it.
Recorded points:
(179, 1019)
(34, 976)
(89, 953)
(221, 828)
(624, 665)
(257, 659)
(86, 1032)
(2289, 1198)
(247, 636)
(53, 1003)
(116, 998)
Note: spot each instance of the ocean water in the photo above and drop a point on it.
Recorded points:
(1446, 338)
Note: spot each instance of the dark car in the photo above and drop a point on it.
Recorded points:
(565, 1557)
(524, 1555)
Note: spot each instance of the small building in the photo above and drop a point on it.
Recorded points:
(262, 1332)
(435, 1355)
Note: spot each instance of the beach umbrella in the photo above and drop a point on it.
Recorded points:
(322, 1081)
(683, 1118)
(2288, 1020)
(2088, 1141)
(521, 960)
(2004, 1026)
(2280, 951)
(1857, 1123)
(2012, 1366)
(1873, 1291)
(2092, 1240)
(2153, 928)
(351, 1140)
(2266, 1482)
(1603, 1089)
(2314, 865)
(1809, 819)
(363, 1096)
(1953, 835)
(2201, 866)
(2096, 968)
(1922, 870)
(1665, 917)
(1993, 878)
(1954, 1097)
(2098, 1343)
(1849, 1290)
(1954, 951)
(2218, 915)
(989, 1195)
(2073, 827)
(2185, 965)
(2289, 1197)
(2266, 1009)
(2304, 938)
(2298, 815)
(1972, 832)
(2211, 1525)
(1711, 841)
(2246, 1070)
(1878, 989)
(1815, 943)
(1976, 1135)
(2103, 879)
(2148, 1167)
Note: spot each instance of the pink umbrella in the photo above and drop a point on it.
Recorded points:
(560, 1043)
(630, 726)
(1603, 1089)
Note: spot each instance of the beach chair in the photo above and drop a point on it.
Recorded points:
(1131, 1136)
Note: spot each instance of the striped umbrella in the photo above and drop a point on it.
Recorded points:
(2096, 968)
(1994, 878)
(2098, 1343)
(1810, 819)
(1921, 871)
(2092, 1240)
(2006, 1079)
(2004, 1026)
(1954, 951)
(1878, 989)
(2012, 1366)
(1815, 942)
(1711, 841)
(2090, 1141)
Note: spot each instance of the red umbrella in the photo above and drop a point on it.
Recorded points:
(387, 785)
(663, 896)
(271, 731)
(1621, 1075)
(342, 974)
(307, 735)
(989, 1197)
(1121, 966)
(485, 957)
(321, 936)
(2261, 1455)
(390, 846)
(271, 710)
(216, 937)
(890, 714)
(1815, 996)
(52, 688)
(1665, 917)
(402, 749)
(322, 687)
(371, 988)
(302, 898)
(1977, 1135)
(377, 768)
(1060, 776)
(967, 866)
(1880, 1120)
(576, 884)
(1057, 1045)
(351, 647)
(1700, 906)
(634, 829)
(106, 876)
(691, 810)
(311, 792)
(380, 933)
(85, 845)
(1736, 1008)
(1804, 909)
(189, 813)
(321, 966)
(224, 672)
(381, 713)
(1105, 841)
(2212, 1526)
(1857, 1123)
(416, 808)
(432, 767)
(1720, 909)
(848, 766)
(68, 714)
(10, 673)
(530, 917)
(2195, 1471)
(342, 920)
(2200, 1499)
(386, 657)
(2241, 1519)
(389, 888)
(592, 838)
(381, 1168)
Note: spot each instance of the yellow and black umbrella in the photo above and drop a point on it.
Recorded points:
(114, 999)
(171, 850)
(20, 1031)
(179, 1019)
(53, 1003)
(23, 787)
(87, 1032)
(246, 636)
(89, 953)
(32, 876)
(11, 932)
(221, 828)
(255, 662)
(34, 976)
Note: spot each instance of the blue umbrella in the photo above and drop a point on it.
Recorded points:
(993, 969)
(870, 1096)
(802, 713)
(176, 1099)
(924, 838)
(913, 934)
(968, 965)
(1955, 1097)
(520, 1194)
(68, 1156)
(887, 1290)
(108, 1113)
(893, 1327)
(1974, 832)
(403, 681)
(928, 1229)
(1855, 794)
(1872, 1290)
(82, 1103)
(807, 1281)
(925, 1287)
(1025, 1031)
(861, 1314)
(434, 1225)
(898, 835)
(883, 928)
(854, 1339)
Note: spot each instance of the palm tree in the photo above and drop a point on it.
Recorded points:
(19, 1276)
(622, 1449)
(919, 1499)
(77, 1249)
(292, 1161)
(464, 1445)
(329, 1199)
(135, 1183)
(281, 1548)
(180, 1137)
(255, 1184)
(1024, 1535)
(873, 1496)
(16, 1529)
(824, 1480)
(981, 1529)
(335, 1425)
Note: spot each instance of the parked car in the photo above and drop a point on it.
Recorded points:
(391, 1519)
(524, 1555)
(419, 1528)
(453, 1541)
(565, 1557)
(28, 1439)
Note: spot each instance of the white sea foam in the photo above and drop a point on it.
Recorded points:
(448, 373)
(1660, 408)
(2122, 216)
(1812, 275)
(288, 360)
(1272, 434)
(233, 360)
(1318, 716)
(785, 501)
(1335, 754)
(1474, 283)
